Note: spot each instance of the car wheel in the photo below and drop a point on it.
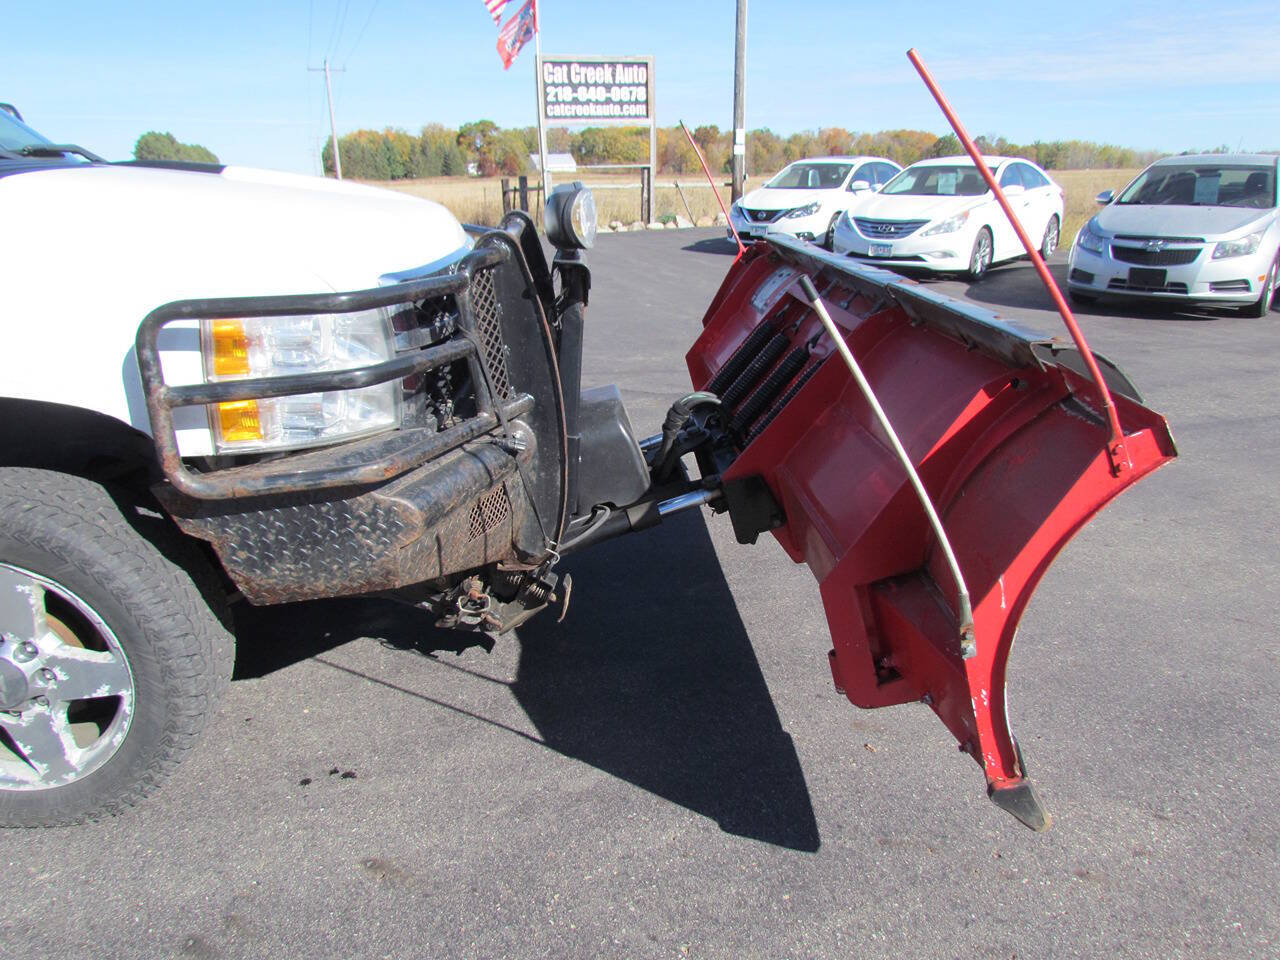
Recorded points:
(1050, 242)
(829, 241)
(111, 656)
(980, 258)
(1268, 295)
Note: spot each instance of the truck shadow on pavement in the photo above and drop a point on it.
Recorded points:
(651, 678)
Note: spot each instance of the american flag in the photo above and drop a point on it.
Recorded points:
(516, 32)
(495, 9)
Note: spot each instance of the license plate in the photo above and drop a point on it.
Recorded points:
(882, 250)
(755, 231)
(1146, 277)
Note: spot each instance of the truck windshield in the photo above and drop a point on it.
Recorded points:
(14, 134)
(959, 180)
(811, 176)
(1204, 186)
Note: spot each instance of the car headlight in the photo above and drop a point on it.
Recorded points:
(570, 217)
(1086, 239)
(950, 225)
(250, 347)
(808, 210)
(1238, 248)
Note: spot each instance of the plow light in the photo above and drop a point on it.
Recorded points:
(570, 217)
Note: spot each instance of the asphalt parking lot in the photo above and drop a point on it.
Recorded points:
(669, 773)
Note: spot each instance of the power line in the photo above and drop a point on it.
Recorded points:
(342, 26)
(333, 30)
(351, 52)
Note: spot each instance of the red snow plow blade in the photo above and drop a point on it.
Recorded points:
(1004, 429)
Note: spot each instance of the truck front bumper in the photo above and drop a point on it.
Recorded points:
(402, 507)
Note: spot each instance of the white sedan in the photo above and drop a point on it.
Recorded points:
(807, 197)
(938, 215)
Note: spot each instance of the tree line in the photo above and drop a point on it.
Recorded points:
(437, 150)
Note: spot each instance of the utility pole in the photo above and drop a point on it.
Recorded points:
(333, 127)
(739, 103)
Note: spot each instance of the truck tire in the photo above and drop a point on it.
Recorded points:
(113, 650)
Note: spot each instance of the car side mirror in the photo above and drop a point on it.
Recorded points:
(859, 186)
(1014, 190)
(1105, 197)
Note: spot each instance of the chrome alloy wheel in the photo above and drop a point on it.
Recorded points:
(980, 261)
(1050, 242)
(66, 689)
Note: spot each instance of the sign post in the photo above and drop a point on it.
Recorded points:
(575, 91)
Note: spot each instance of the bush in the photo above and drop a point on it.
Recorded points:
(164, 146)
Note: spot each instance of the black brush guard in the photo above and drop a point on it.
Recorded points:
(411, 505)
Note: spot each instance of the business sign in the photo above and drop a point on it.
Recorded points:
(585, 91)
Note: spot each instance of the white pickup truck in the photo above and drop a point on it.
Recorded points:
(225, 385)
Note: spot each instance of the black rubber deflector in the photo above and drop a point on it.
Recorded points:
(1021, 799)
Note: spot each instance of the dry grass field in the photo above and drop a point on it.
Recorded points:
(479, 200)
(1081, 186)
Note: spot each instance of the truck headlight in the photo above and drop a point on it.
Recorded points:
(808, 210)
(1237, 248)
(240, 348)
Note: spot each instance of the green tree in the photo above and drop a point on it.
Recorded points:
(946, 146)
(164, 146)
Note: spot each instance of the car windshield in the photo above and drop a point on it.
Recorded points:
(811, 176)
(957, 180)
(1209, 185)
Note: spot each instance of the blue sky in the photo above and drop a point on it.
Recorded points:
(232, 75)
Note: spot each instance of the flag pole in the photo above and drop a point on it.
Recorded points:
(537, 82)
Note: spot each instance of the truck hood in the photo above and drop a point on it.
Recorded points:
(766, 199)
(903, 207)
(1167, 220)
(179, 234)
(91, 250)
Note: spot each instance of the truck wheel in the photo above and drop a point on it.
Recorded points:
(111, 656)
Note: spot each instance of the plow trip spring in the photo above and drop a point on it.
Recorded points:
(1004, 429)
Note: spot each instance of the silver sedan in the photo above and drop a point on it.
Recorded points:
(1199, 229)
